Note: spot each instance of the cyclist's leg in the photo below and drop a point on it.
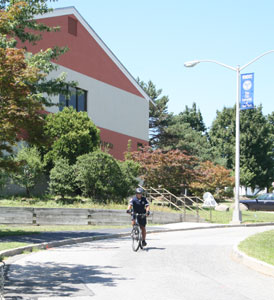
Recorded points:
(132, 220)
(143, 223)
(144, 233)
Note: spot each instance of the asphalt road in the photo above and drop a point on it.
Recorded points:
(187, 265)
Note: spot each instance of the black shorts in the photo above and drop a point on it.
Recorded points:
(141, 220)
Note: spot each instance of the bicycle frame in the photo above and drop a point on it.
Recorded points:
(136, 233)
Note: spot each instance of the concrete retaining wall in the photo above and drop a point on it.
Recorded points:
(76, 216)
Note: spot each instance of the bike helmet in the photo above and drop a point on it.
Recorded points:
(139, 191)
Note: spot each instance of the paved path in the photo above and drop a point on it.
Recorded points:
(191, 265)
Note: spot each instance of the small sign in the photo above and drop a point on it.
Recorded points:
(209, 200)
(247, 91)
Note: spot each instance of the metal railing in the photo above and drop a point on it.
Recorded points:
(184, 203)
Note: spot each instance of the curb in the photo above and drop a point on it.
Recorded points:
(251, 262)
(46, 245)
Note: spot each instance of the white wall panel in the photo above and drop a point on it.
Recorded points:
(110, 107)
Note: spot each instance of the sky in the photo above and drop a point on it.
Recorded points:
(153, 39)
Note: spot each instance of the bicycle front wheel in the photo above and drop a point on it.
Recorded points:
(136, 238)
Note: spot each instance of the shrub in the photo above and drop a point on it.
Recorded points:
(62, 178)
(99, 175)
(3, 179)
(72, 134)
(130, 171)
(30, 167)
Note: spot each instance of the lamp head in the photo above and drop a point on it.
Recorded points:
(190, 64)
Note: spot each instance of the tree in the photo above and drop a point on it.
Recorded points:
(24, 87)
(179, 135)
(130, 171)
(62, 178)
(30, 168)
(158, 115)
(211, 178)
(98, 175)
(72, 134)
(193, 117)
(256, 145)
(172, 169)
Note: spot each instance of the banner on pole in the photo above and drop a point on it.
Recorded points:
(247, 91)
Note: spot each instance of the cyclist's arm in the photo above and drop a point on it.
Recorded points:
(129, 208)
(147, 209)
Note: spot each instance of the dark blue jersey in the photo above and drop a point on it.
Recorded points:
(139, 206)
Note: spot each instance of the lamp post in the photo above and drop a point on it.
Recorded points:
(237, 216)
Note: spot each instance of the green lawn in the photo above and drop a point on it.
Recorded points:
(11, 245)
(260, 246)
(248, 217)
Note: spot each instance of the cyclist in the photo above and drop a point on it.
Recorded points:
(140, 205)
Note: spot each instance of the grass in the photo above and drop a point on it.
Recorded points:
(11, 245)
(260, 246)
(49, 202)
(248, 217)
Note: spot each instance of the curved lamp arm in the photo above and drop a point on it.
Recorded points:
(193, 63)
(270, 51)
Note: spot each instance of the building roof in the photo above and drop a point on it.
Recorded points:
(71, 10)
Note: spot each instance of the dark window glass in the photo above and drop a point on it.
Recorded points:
(139, 146)
(62, 102)
(82, 96)
(73, 98)
(78, 100)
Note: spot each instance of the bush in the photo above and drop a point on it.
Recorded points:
(30, 168)
(62, 178)
(99, 175)
(3, 179)
(130, 171)
(72, 134)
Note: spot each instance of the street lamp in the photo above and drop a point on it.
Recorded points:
(237, 216)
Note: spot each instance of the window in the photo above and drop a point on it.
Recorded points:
(77, 99)
(140, 146)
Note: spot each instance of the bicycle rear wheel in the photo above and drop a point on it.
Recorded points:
(136, 238)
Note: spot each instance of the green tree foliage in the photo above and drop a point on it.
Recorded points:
(172, 169)
(30, 168)
(130, 171)
(72, 134)
(193, 117)
(256, 145)
(24, 84)
(187, 132)
(3, 179)
(62, 178)
(158, 115)
(98, 175)
(179, 135)
(270, 119)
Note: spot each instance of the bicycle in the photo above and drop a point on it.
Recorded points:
(136, 233)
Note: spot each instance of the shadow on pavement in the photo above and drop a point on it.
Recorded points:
(153, 248)
(59, 280)
(50, 236)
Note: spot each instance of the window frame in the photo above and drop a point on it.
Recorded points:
(67, 99)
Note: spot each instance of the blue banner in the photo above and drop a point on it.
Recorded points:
(247, 91)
